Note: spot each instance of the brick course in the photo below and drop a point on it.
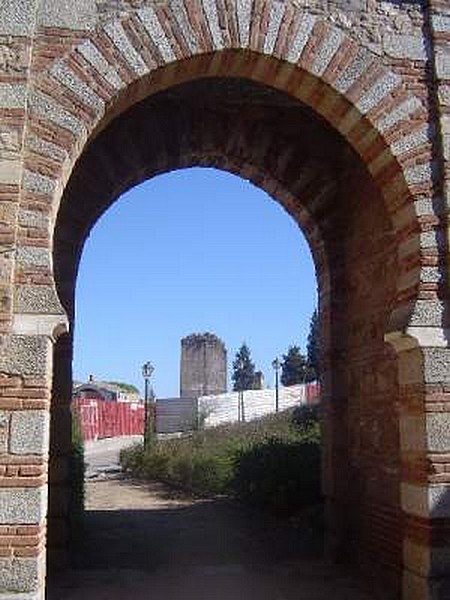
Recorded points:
(369, 97)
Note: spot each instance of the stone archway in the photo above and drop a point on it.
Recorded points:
(87, 70)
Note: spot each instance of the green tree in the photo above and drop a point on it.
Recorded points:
(313, 349)
(243, 375)
(293, 367)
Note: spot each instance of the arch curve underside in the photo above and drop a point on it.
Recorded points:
(280, 145)
(95, 99)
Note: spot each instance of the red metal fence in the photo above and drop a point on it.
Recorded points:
(100, 419)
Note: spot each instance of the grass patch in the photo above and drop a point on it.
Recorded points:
(272, 462)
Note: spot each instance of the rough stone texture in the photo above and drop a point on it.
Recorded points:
(19, 575)
(300, 39)
(29, 432)
(100, 64)
(4, 431)
(437, 365)
(68, 78)
(22, 506)
(428, 313)
(36, 299)
(24, 355)
(34, 219)
(33, 256)
(62, 14)
(17, 18)
(121, 41)
(404, 46)
(12, 95)
(44, 107)
(438, 432)
(379, 242)
(203, 366)
(35, 182)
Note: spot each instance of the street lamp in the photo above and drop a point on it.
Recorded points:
(147, 371)
(276, 364)
(241, 411)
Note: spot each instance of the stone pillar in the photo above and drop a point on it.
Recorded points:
(424, 384)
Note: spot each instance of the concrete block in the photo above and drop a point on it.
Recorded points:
(29, 432)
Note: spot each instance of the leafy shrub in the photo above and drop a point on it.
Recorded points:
(278, 475)
(211, 474)
(156, 464)
(273, 461)
(132, 458)
(306, 421)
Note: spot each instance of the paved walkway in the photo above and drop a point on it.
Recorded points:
(142, 542)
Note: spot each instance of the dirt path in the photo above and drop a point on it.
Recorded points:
(142, 542)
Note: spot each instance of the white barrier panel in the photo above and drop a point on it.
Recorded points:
(223, 408)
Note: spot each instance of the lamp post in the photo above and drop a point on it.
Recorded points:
(276, 364)
(241, 412)
(147, 370)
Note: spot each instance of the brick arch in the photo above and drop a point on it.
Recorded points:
(293, 51)
(259, 146)
(77, 96)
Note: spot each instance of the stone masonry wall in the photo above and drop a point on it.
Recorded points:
(375, 76)
(203, 366)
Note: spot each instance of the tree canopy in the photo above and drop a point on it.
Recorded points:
(243, 375)
(293, 366)
(313, 349)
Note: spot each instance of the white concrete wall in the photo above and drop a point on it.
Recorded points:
(223, 408)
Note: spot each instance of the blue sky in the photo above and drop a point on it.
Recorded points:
(190, 251)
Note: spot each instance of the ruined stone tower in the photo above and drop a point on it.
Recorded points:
(203, 365)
